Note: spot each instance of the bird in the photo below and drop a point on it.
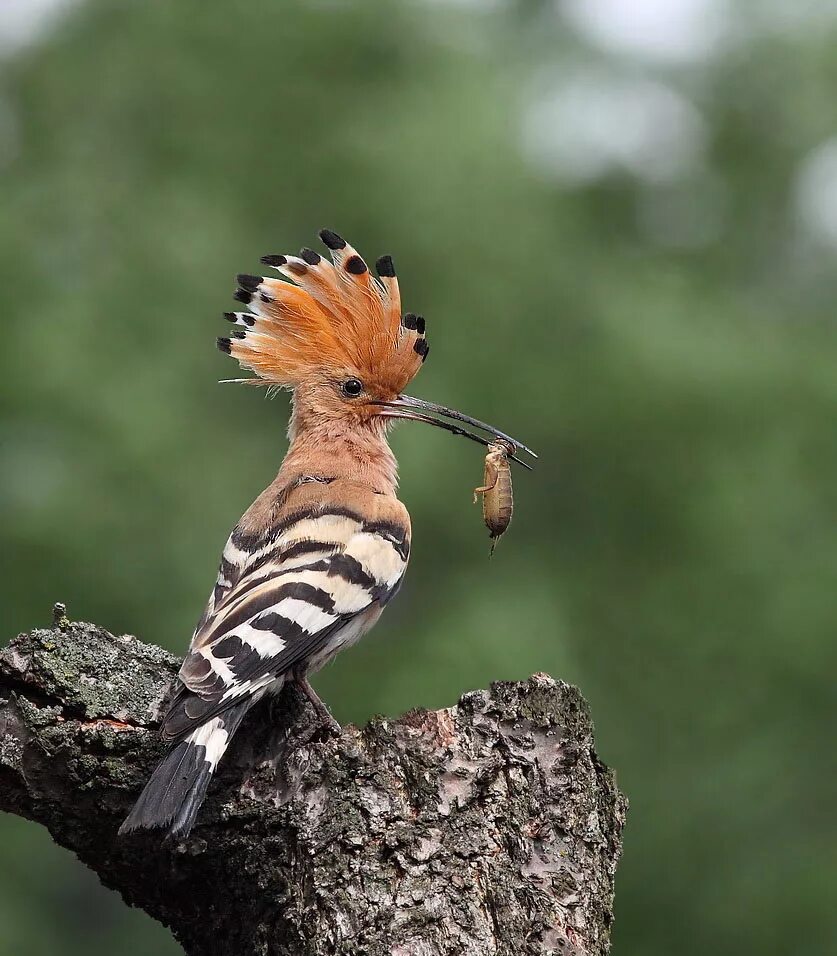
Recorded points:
(311, 565)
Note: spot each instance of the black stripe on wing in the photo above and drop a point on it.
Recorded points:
(276, 616)
(187, 709)
(342, 566)
(249, 551)
(263, 597)
(396, 534)
(305, 547)
(251, 542)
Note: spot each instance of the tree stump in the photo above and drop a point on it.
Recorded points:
(490, 827)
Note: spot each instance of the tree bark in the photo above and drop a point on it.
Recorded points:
(486, 828)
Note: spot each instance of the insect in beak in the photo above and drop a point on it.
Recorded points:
(407, 408)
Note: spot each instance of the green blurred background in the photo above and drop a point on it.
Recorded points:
(620, 218)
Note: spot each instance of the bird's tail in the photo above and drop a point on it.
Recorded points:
(174, 794)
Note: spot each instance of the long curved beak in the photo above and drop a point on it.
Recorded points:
(407, 408)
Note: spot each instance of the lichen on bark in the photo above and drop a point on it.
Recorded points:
(489, 827)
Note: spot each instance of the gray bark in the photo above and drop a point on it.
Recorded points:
(486, 828)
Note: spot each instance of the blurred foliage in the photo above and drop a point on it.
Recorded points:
(673, 553)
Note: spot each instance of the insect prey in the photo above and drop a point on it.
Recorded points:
(496, 490)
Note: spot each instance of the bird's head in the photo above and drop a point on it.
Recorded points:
(335, 335)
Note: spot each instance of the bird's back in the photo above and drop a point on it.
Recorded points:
(310, 556)
(305, 573)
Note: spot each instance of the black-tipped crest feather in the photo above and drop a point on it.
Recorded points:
(385, 268)
(332, 240)
(355, 265)
(247, 282)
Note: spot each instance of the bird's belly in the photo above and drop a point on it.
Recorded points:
(348, 635)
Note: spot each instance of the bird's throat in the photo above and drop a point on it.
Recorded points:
(330, 449)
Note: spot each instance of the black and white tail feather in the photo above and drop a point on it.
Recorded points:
(177, 788)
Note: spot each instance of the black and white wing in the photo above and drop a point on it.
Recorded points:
(289, 598)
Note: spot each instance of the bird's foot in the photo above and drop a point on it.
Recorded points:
(325, 723)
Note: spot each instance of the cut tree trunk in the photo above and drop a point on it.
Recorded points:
(486, 828)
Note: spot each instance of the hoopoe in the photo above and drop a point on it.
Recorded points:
(313, 562)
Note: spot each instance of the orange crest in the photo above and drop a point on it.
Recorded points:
(333, 318)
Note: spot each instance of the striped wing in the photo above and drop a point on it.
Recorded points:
(281, 599)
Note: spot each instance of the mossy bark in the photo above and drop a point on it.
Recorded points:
(490, 827)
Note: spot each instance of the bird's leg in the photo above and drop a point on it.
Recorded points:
(327, 722)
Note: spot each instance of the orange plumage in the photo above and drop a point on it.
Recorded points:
(332, 318)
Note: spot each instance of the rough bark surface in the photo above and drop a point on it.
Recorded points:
(486, 828)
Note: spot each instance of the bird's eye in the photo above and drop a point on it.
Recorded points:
(352, 387)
